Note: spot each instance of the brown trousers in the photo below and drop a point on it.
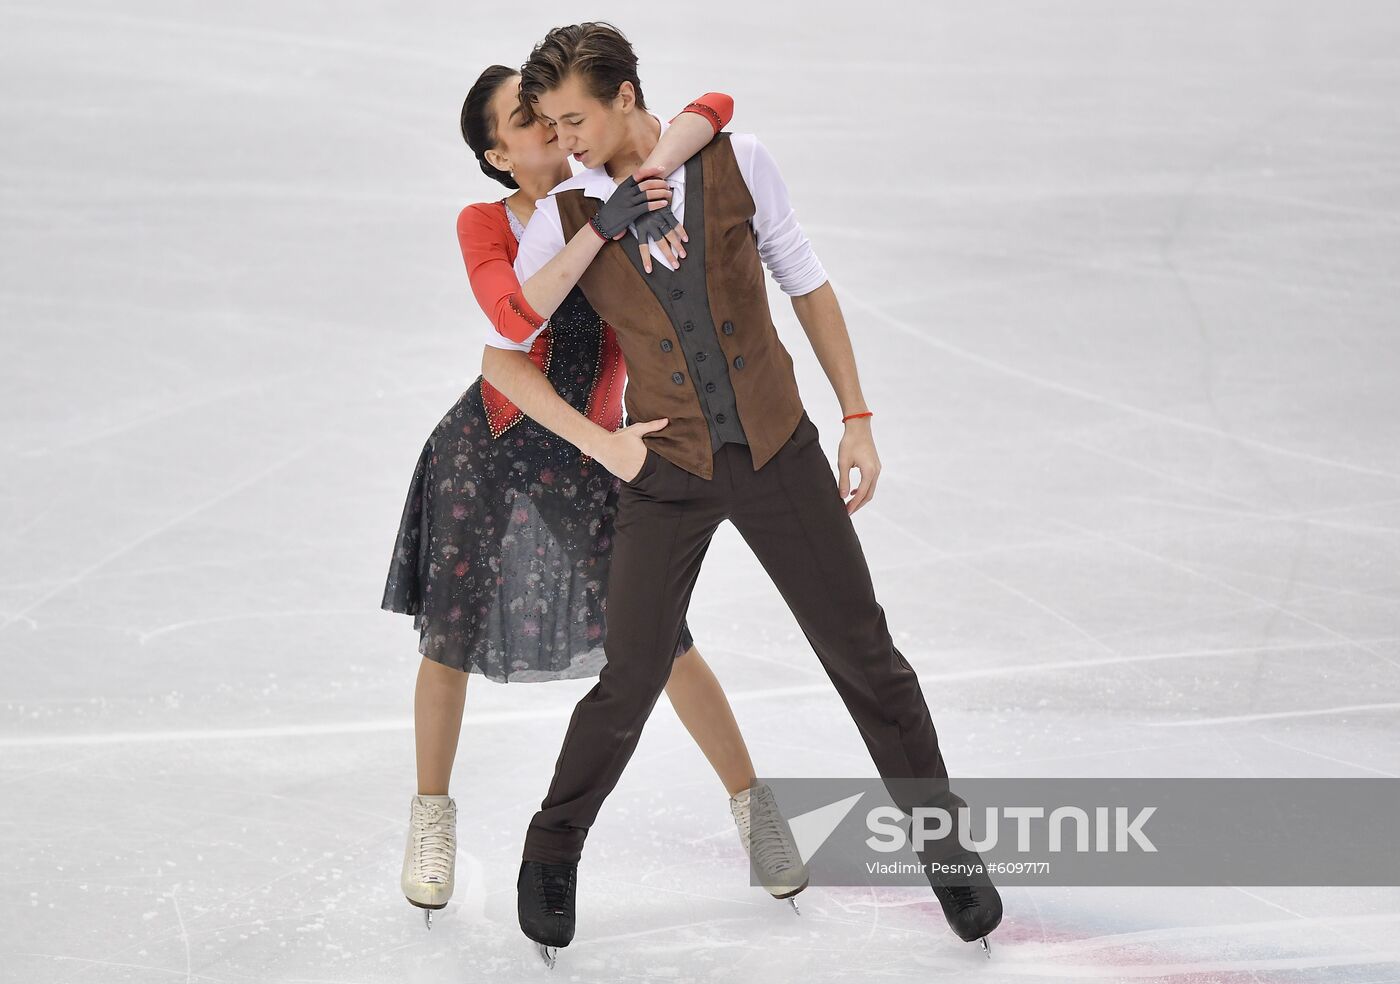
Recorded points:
(791, 514)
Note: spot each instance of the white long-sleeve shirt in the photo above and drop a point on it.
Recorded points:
(782, 246)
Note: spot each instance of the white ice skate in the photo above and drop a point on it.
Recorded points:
(430, 856)
(768, 842)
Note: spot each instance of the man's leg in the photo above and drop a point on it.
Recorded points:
(664, 524)
(791, 514)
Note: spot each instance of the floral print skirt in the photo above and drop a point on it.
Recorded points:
(502, 552)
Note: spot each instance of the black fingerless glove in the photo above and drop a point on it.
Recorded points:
(655, 224)
(627, 204)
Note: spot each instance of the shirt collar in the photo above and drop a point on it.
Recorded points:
(596, 182)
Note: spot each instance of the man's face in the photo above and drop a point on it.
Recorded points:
(589, 130)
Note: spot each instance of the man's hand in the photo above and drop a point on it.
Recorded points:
(625, 451)
(857, 450)
(660, 225)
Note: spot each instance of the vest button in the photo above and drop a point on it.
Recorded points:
(689, 326)
(677, 378)
(709, 387)
(665, 345)
(728, 328)
(738, 362)
(719, 418)
(677, 294)
(699, 356)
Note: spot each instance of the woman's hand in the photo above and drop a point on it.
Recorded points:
(660, 225)
(626, 452)
(631, 200)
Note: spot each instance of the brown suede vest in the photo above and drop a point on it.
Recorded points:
(760, 368)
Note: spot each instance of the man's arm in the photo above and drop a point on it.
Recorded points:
(821, 319)
(789, 256)
(825, 325)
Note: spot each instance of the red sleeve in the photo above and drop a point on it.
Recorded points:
(714, 106)
(482, 238)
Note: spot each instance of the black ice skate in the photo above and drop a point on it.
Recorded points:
(970, 901)
(544, 898)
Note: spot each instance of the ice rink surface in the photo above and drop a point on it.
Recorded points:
(1123, 283)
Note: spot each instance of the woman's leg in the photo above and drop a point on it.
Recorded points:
(438, 700)
(704, 710)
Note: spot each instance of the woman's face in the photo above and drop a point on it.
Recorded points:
(532, 148)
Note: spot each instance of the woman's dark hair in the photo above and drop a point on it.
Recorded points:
(478, 126)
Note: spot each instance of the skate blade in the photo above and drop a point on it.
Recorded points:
(428, 911)
(796, 891)
(549, 954)
(793, 902)
(986, 948)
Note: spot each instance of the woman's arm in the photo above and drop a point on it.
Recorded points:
(517, 311)
(481, 235)
(517, 376)
(690, 130)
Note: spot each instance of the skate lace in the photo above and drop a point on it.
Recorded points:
(964, 896)
(435, 845)
(770, 844)
(555, 882)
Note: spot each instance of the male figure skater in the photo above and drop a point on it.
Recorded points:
(726, 438)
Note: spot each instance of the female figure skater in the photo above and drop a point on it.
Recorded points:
(502, 551)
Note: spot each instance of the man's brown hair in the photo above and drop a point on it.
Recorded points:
(595, 51)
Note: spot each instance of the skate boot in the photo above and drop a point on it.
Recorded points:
(767, 840)
(970, 901)
(544, 901)
(430, 856)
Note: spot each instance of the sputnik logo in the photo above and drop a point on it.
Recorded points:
(811, 829)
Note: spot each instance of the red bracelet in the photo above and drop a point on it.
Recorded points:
(850, 416)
